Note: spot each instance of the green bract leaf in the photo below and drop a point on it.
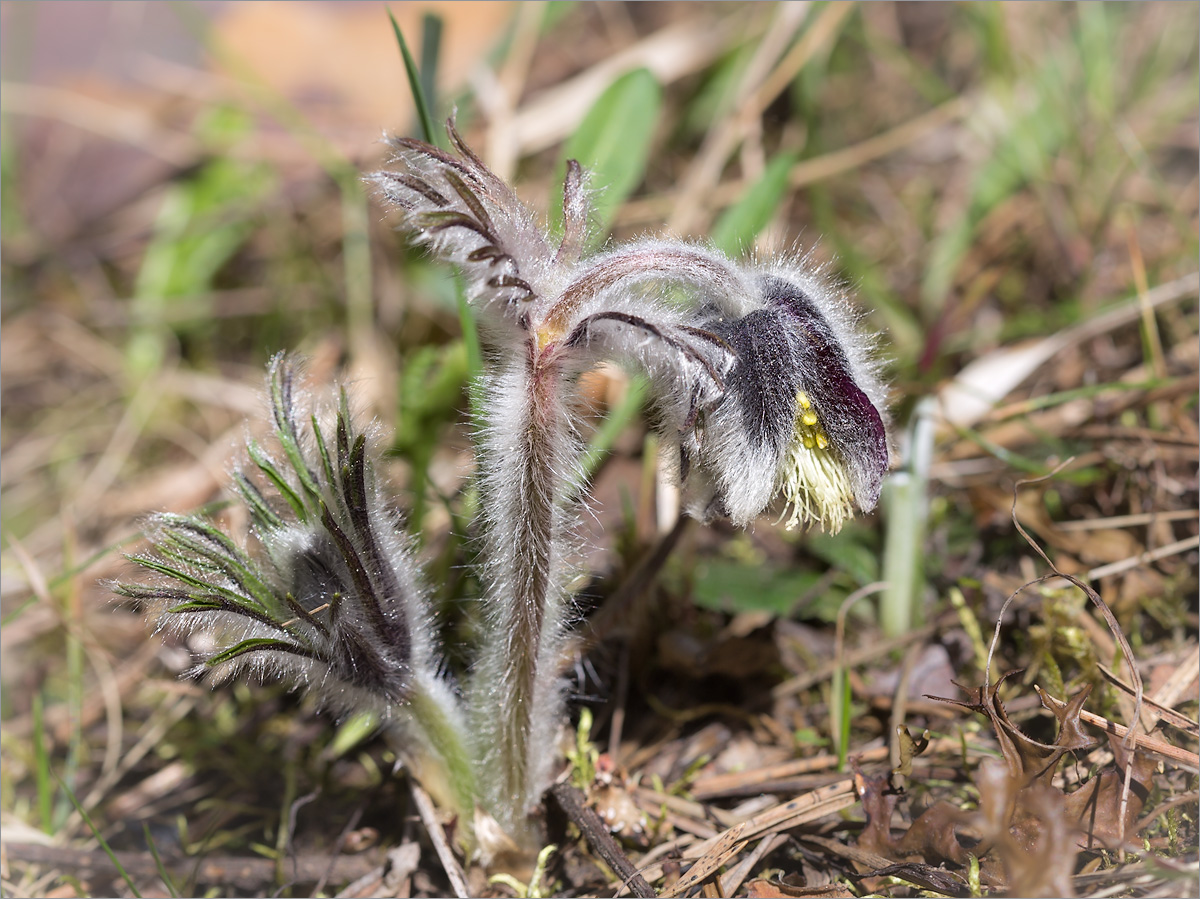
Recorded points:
(257, 644)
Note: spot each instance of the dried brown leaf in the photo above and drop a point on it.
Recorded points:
(1029, 760)
(779, 889)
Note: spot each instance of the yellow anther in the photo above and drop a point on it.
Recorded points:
(822, 440)
(809, 418)
(803, 400)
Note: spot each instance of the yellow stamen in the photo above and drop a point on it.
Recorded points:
(814, 478)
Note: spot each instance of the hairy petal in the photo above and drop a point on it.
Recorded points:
(834, 385)
(801, 413)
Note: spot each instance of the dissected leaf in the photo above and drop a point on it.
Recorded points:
(1029, 760)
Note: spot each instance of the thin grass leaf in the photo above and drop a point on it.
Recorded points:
(41, 762)
(414, 84)
(740, 224)
(431, 46)
(112, 856)
(158, 862)
(839, 714)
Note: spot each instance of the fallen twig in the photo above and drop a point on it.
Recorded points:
(454, 871)
(574, 805)
(245, 873)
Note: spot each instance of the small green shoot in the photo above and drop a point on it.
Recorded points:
(906, 506)
(535, 889)
(584, 755)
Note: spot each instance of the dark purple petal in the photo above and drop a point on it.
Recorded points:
(849, 418)
(765, 376)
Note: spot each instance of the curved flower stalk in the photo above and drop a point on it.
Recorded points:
(329, 597)
(758, 382)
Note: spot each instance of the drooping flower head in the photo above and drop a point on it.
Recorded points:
(801, 412)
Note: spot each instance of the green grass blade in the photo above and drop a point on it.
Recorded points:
(431, 47)
(112, 856)
(414, 82)
(839, 714)
(41, 760)
(735, 230)
(158, 863)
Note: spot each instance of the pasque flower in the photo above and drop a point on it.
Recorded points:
(328, 595)
(760, 386)
(800, 414)
(761, 378)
